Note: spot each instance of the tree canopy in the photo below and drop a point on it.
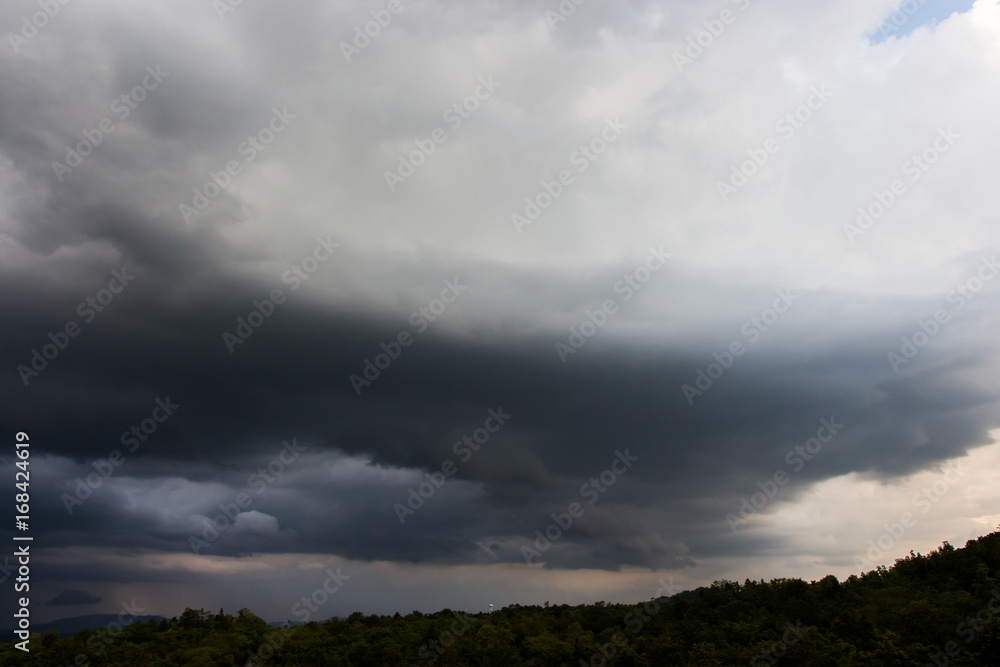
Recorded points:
(940, 608)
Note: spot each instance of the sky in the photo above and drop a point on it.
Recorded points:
(444, 305)
(907, 16)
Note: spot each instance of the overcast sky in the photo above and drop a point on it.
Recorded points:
(402, 287)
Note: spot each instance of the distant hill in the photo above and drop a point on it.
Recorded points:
(942, 608)
(67, 627)
(683, 595)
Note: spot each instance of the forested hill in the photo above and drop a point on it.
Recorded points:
(939, 609)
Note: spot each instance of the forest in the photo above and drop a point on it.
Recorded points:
(937, 609)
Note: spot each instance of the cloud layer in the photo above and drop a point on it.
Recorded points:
(404, 304)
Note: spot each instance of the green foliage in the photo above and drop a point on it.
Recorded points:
(899, 616)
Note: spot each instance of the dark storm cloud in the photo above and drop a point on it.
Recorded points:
(161, 339)
(567, 421)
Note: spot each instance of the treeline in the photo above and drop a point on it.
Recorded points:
(938, 609)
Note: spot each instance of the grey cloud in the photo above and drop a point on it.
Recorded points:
(72, 597)
(162, 336)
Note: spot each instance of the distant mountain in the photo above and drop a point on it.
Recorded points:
(281, 624)
(925, 609)
(684, 595)
(67, 627)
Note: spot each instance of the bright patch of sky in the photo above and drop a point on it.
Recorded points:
(912, 14)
